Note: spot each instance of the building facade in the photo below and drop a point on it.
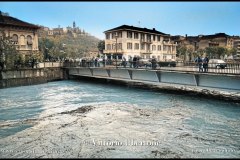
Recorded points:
(23, 35)
(204, 41)
(129, 41)
(236, 44)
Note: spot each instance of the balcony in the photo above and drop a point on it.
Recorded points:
(146, 52)
(145, 41)
(113, 51)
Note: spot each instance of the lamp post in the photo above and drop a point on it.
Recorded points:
(116, 36)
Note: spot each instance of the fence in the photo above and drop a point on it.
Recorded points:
(224, 68)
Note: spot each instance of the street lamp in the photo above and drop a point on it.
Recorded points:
(116, 36)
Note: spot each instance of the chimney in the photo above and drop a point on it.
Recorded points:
(186, 35)
(154, 29)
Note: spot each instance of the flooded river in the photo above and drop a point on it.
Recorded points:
(71, 119)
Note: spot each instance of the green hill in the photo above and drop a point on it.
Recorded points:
(62, 46)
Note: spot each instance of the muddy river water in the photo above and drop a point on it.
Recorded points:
(71, 119)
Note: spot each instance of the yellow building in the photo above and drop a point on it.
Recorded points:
(129, 41)
(24, 35)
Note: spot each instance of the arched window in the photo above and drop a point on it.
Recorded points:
(22, 40)
(29, 40)
(15, 39)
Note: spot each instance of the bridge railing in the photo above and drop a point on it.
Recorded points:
(225, 68)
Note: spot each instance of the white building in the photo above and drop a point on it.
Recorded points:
(134, 41)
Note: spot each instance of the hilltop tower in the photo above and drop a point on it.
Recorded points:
(74, 24)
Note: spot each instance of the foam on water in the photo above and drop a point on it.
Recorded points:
(50, 121)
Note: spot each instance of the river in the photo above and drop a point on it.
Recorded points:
(73, 119)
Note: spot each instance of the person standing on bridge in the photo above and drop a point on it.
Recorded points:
(205, 64)
(198, 60)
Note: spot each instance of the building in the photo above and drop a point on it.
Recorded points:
(130, 41)
(23, 35)
(58, 31)
(204, 41)
(236, 44)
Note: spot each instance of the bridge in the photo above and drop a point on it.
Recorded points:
(230, 82)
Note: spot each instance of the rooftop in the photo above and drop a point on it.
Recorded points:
(127, 27)
(11, 21)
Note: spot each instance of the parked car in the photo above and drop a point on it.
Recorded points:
(144, 62)
(217, 63)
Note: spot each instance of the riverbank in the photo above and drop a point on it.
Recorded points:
(32, 76)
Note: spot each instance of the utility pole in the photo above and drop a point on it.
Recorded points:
(116, 36)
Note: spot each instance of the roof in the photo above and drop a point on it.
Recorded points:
(127, 27)
(11, 21)
(217, 35)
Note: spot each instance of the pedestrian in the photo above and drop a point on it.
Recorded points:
(154, 63)
(130, 61)
(198, 60)
(205, 64)
(134, 61)
(124, 62)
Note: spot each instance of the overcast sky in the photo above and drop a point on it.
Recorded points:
(175, 18)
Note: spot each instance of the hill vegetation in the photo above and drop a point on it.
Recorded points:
(67, 46)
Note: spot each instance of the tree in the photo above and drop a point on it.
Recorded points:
(101, 46)
(232, 51)
(181, 52)
(221, 52)
(216, 52)
(8, 52)
(211, 51)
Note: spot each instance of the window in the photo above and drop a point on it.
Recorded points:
(148, 46)
(119, 45)
(116, 34)
(154, 47)
(29, 42)
(169, 48)
(129, 45)
(107, 36)
(164, 48)
(135, 35)
(142, 36)
(153, 37)
(136, 46)
(142, 46)
(158, 38)
(119, 34)
(22, 40)
(149, 37)
(129, 34)
(113, 46)
(108, 46)
(164, 57)
(15, 39)
(159, 47)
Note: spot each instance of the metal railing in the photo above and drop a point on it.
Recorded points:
(227, 68)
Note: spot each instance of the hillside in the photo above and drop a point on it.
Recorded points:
(68, 46)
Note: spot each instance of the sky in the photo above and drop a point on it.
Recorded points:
(174, 18)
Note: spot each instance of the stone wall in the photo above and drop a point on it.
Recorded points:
(13, 78)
